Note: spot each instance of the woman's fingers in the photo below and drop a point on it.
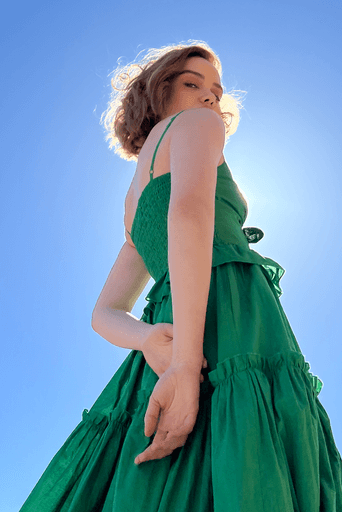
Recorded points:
(172, 411)
(156, 450)
(151, 417)
(163, 444)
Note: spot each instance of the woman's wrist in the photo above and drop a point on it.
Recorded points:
(121, 328)
(195, 365)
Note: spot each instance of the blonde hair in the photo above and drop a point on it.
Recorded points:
(147, 89)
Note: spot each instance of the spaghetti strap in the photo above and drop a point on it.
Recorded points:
(154, 155)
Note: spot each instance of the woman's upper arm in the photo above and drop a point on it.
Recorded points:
(125, 282)
(196, 146)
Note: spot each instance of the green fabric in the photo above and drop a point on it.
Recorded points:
(262, 441)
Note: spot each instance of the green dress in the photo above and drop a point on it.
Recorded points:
(262, 441)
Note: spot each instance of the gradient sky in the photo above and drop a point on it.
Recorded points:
(63, 190)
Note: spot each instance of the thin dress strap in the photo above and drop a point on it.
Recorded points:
(154, 155)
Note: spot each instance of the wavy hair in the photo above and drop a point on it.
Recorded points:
(141, 103)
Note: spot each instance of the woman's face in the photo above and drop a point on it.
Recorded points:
(192, 91)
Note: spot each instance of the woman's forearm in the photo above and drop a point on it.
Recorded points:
(120, 328)
(190, 258)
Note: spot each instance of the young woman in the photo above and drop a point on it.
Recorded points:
(214, 409)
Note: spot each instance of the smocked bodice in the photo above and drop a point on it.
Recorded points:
(150, 231)
(231, 241)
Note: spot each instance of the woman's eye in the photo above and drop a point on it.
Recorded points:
(187, 84)
(190, 84)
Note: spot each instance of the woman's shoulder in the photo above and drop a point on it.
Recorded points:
(201, 128)
(193, 115)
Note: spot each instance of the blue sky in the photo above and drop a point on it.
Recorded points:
(63, 190)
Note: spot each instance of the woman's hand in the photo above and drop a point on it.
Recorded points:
(157, 348)
(175, 398)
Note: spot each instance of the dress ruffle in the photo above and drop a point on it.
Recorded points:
(225, 253)
(262, 412)
(261, 440)
(268, 365)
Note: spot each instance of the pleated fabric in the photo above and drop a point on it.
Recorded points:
(262, 441)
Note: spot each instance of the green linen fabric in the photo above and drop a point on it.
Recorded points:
(262, 441)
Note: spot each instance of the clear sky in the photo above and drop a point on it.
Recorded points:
(63, 190)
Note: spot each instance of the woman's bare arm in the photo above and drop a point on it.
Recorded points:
(112, 318)
(121, 328)
(195, 150)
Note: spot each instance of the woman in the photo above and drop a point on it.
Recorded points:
(216, 379)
